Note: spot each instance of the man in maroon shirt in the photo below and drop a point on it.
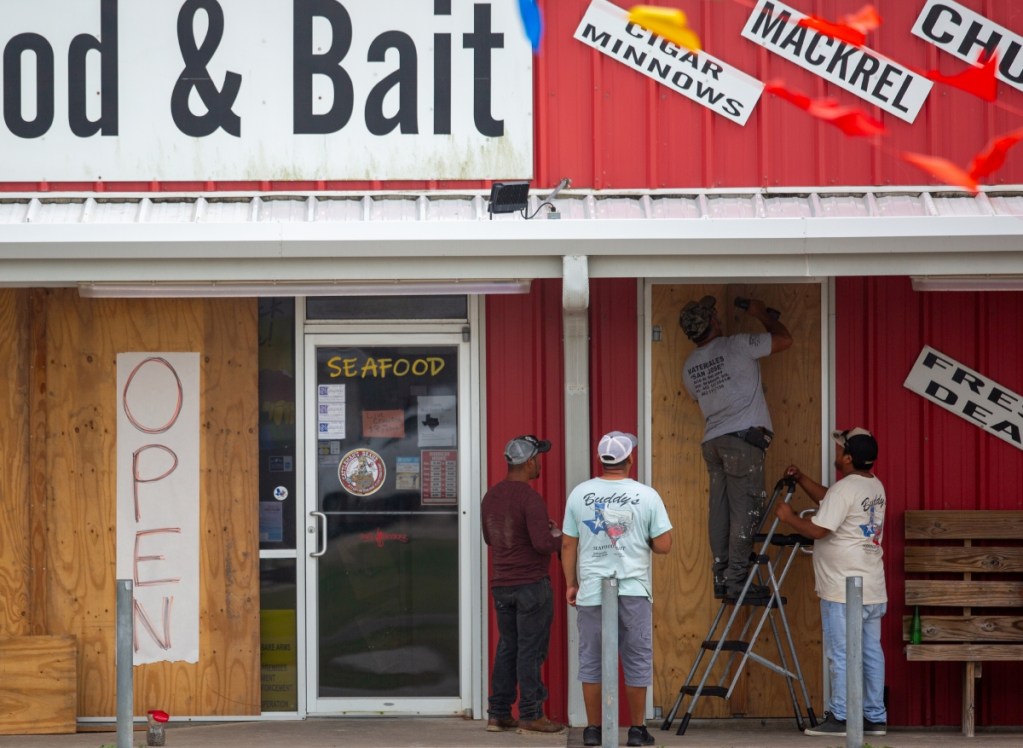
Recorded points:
(521, 538)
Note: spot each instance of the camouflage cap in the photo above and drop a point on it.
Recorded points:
(695, 317)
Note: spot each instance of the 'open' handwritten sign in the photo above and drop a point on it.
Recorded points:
(158, 501)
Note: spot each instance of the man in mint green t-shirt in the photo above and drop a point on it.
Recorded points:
(612, 526)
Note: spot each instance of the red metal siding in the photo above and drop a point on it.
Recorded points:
(609, 127)
(614, 362)
(930, 458)
(525, 394)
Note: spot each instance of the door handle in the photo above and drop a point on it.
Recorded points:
(320, 519)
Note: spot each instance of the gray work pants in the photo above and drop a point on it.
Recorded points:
(737, 500)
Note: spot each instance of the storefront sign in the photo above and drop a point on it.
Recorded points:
(696, 75)
(969, 394)
(860, 71)
(361, 472)
(440, 477)
(264, 90)
(967, 35)
(158, 501)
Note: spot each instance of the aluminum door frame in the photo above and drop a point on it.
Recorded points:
(467, 702)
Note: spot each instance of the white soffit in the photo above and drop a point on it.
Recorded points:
(65, 239)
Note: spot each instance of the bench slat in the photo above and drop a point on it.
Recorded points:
(960, 560)
(966, 628)
(963, 652)
(964, 594)
(990, 524)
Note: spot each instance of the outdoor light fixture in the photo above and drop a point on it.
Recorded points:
(967, 282)
(508, 197)
(242, 289)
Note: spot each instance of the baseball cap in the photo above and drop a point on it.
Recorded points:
(522, 448)
(859, 444)
(694, 319)
(615, 446)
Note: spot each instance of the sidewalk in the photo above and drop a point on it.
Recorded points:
(440, 732)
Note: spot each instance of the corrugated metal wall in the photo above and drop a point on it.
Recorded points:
(930, 458)
(524, 380)
(608, 127)
(524, 388)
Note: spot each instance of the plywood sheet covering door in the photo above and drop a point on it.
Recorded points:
(37, 685)
(683, 598)
(81, 340)
(15, 569)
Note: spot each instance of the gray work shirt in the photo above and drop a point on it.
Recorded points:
(724, 378)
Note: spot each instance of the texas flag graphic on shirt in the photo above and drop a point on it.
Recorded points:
(612, 522)
(872, 530)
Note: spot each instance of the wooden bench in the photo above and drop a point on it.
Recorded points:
(961, 575)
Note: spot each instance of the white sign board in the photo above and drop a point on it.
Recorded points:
(264, 90)
(862, 72)
(969, 394)
(158, 501)
(967, 34)
(694, 74)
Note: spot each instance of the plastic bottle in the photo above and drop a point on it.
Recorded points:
(915, 632)
(155, 733)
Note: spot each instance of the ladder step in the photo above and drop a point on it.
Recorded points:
(728, 645)
(756, 601)
(790, 540)
(719, 691)
(786, 540)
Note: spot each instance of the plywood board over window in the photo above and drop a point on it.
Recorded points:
(67, 532)
(684, 605)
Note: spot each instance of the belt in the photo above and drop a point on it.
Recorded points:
(758, 436)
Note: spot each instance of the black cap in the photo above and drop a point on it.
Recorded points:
(859, 444)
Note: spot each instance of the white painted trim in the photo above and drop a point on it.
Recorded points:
(476, 594)
(66, 239)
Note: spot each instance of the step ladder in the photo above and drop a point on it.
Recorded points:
(768, 571)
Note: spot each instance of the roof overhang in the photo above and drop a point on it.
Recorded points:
(66, 240)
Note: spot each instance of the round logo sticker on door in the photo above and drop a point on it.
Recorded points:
(361, 472)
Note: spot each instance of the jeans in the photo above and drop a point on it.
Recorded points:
(833, 626)
(524, 615)
(737, 498)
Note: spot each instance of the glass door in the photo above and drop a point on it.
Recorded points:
(387, 585)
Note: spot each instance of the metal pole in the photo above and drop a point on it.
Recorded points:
(576, 352)
(124, 656)
(609, 661)
(854, 662)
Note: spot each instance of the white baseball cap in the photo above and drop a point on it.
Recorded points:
(615, 446)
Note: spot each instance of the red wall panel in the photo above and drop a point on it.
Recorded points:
(524, 382)
(524, 396)
(646, 136)
(930, 458)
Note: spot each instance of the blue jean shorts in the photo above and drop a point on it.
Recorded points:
(635, 641)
